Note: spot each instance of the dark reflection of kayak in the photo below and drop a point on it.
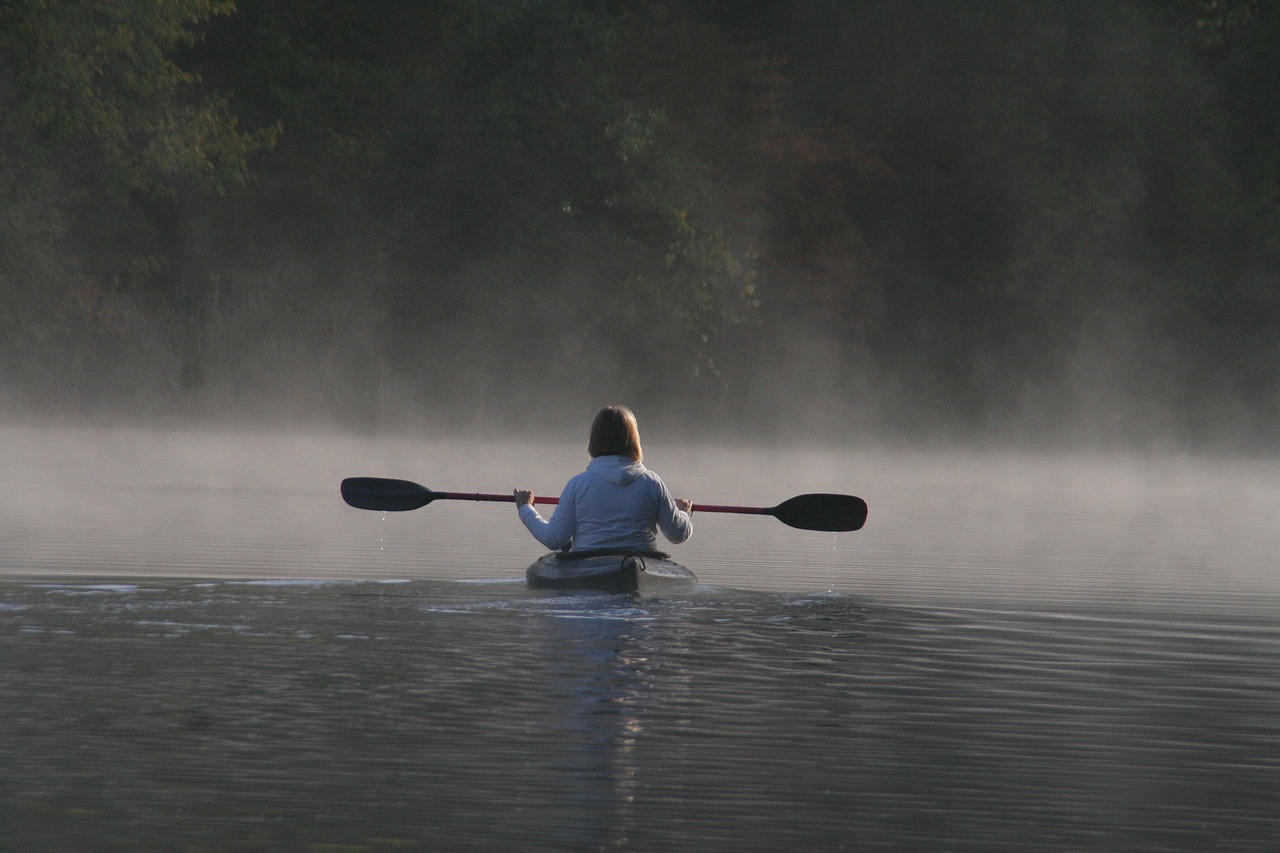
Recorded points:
(610, 571)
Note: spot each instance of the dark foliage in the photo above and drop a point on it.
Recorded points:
(992, 218)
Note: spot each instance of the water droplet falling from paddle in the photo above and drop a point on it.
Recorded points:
(831, 587)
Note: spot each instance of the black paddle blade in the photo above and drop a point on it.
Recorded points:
(385, 495)
(836, 513)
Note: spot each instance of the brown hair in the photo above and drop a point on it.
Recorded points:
(614, 433)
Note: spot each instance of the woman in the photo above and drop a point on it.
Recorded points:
(615, 503)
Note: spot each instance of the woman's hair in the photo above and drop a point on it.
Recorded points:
(614, 433)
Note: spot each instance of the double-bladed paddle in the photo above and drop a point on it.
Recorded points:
(833, 513)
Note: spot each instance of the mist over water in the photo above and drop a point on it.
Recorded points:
(1064, 528)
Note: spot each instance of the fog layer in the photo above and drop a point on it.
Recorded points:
(994, 529)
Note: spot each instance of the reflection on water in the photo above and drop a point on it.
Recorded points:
(444, 715)
(201, 647)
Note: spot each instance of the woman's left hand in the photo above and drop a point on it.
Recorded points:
(523, 497)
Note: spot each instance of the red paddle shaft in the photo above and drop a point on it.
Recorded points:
(468, 496)
(747, 510)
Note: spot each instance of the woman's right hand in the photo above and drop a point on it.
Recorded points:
(523, 497)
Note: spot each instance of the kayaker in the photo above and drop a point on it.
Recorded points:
(616, 502)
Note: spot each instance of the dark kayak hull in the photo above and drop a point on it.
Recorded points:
(610, 571)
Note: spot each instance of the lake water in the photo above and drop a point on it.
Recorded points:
(202, 648)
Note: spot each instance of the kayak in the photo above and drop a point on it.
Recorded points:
(610, 571)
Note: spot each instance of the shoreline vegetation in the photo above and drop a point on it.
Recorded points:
(1004, 222)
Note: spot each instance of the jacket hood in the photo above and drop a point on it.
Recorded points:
(619, 470)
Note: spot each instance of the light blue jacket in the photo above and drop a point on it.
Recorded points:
(615, 503)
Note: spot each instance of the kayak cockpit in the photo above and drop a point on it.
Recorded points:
(610, 570)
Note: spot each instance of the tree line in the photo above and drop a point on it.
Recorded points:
(897, 215)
